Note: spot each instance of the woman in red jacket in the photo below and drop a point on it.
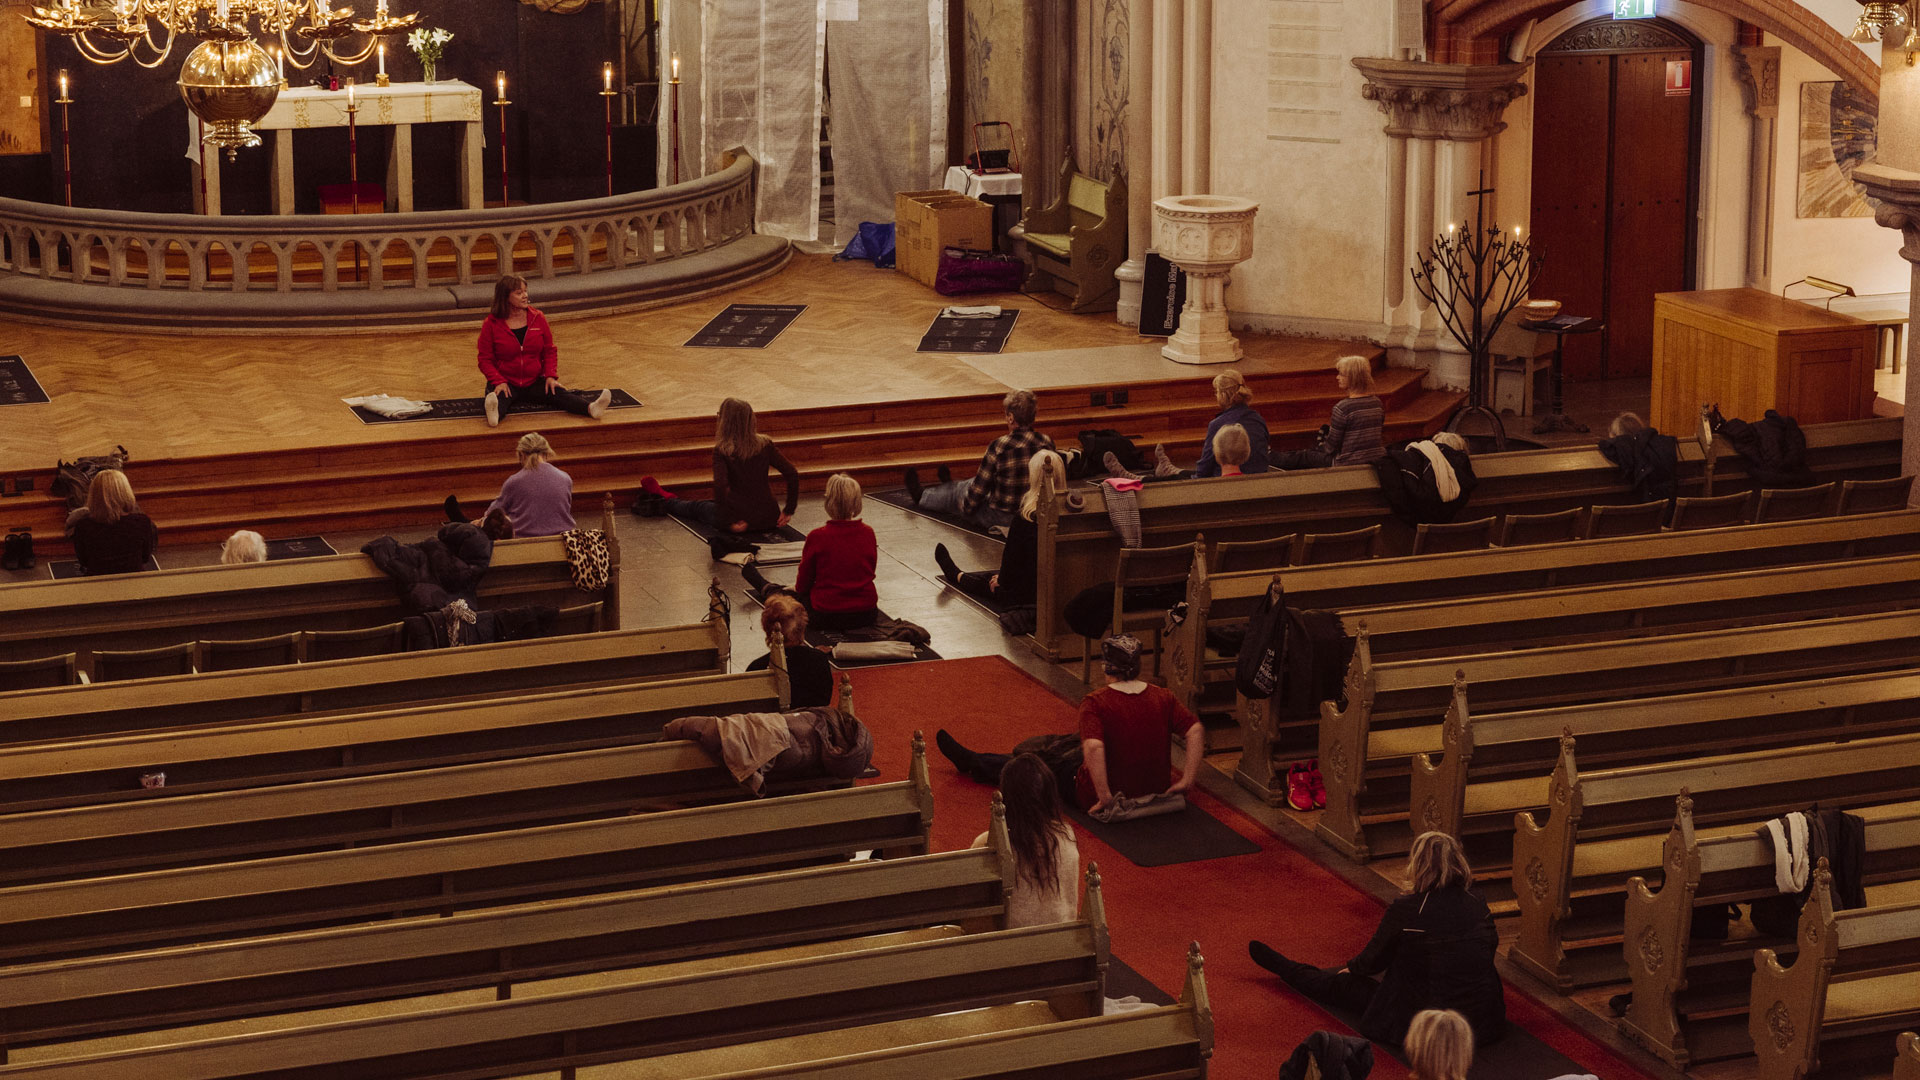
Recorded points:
(837, 564)
(518, 357)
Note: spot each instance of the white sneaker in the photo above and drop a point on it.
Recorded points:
(598, 407)
(493, 409)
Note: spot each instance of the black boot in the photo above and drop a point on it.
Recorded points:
(25, 554)
(913, 485)
(945, 474)
(948, 568)
(10, 552)
(453, 509)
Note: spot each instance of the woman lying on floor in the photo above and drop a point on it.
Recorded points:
(1121, 749)
(1013, 586)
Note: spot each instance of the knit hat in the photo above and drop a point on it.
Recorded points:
(1121, 655)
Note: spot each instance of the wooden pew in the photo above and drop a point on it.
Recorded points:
(1840, 450)
(1605, 825)
(1215, 600)
(1906, 1065)
(1854, 977)
(227, 756)
(365, 683)
(1683, 989)
(498, 948)
(1172, 1042)
(1495, 765)
(650, 1012)
(93, 915)
(333, 592)
(1078, 547)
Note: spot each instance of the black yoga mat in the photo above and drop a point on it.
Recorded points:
(785, 534)
(70, 568)
(298, 547)
(746, 326)
(969, 335)
(827, 639)
(1123, 981)
(17, 384)
(1191, 835)
(989, 605)
(475, 408)
(899, 497)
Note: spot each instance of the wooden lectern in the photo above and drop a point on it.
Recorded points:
(1751, 351)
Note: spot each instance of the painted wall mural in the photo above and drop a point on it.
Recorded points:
(1104, 145)
(1837, 132)
(20, 124)
(991, 71)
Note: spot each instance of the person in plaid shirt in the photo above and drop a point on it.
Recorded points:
(993, 496)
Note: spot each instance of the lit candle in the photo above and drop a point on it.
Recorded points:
(383, 58)
(500, 84)
(380, 10)
(1449, 228)
(676, 67)
(280, 59)
(1516, 232)
(63, 82)
(223, 10)
(606, 74)
(326, 9)
(349, 94)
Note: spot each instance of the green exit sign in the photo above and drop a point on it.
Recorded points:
(1633, 9)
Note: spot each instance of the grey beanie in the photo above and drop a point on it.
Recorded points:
(1121, 655)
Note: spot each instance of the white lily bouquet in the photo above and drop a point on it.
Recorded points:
(428, 45)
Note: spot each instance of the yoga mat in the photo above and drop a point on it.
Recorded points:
(298, 547)
(827, 639)
(1123, 981)
(969, 335)
(746, 326)
(17, 384)
(1191, 835)
(991, 607)
(899, 497)
(785, 534)
(70, 568)
(474, 408)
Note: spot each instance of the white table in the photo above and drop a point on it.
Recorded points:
(980, 185)
(399, 106)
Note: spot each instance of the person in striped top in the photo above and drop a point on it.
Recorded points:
(1353, 436)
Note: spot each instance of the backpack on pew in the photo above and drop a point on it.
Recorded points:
(73, 478)
(1256, 672)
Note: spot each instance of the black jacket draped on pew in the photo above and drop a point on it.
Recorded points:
(1647, 460)
(437, 571)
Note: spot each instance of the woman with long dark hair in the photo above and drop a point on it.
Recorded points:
(520, 361)
(1046, 859)
(742, 498)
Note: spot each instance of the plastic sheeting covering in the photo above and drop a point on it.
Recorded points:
(889, 82)
(761, 65)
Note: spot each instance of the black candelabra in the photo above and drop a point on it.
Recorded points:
(1475, 277)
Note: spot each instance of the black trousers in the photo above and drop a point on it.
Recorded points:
(534, 395)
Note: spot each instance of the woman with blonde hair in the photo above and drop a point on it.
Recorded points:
(538, 499)
(244, 546)
(1432, 950)
(742, 499)
(1354, 435)
(837, 564)
(110, 535)
(809, 672)
(1439, 1045)
(1235, 398)
(1013, 586)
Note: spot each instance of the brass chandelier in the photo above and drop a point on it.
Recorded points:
(229, 80)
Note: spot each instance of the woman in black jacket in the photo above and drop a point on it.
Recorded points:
(1433, 950)
(1013, 586)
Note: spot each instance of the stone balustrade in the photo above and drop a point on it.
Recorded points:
(189, 273)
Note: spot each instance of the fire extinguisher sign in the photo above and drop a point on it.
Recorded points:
(1679, 78)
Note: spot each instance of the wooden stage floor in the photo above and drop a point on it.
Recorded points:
(170, 396)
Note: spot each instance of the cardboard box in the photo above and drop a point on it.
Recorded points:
(924, 222)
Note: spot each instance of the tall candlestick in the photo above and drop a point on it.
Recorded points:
(66, 140)
(500, 83)
(353, 170)
(607, 93)
(673, 119)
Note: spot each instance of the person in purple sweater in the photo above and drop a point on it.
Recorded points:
(538, 500)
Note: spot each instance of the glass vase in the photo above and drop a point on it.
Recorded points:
(428, 73)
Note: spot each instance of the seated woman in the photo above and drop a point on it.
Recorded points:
(1230, 389)
(1126, 728)
(519, 360)
(1046, 858)
(1433, 950)
(110, 535)
(837, 564)
(1439, 1046)
(809, 673)
(1231, 448)
(1353, 435)
(742, 499)
(1013, 586)
(538, 499)
(244, 546)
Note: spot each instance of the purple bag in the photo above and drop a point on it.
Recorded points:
(963, 271)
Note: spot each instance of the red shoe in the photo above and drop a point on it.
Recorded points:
(652, 487)
(1299, 787)
(1319, 786)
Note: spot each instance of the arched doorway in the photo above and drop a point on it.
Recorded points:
(1616, 166)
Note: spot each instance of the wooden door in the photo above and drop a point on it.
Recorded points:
(1614, 163)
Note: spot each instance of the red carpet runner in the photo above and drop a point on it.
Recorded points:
(1278, 894)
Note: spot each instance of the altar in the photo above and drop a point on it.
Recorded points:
(399, 106)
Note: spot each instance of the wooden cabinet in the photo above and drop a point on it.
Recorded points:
(1751, 351)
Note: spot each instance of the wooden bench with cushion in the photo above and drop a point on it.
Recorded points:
(499, 948)
(1607, 825)
(253, 600)
(226, 756)
(1688, 993)
(1075, 244)
(366, 683)
(94, 915)
(1853, 979)
(671, 1008)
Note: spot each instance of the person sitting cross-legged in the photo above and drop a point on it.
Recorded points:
(993, 495)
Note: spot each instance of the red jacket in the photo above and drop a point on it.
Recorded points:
(836, 568)
(503, 359)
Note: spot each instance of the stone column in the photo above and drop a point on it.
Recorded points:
(1895, 194)
(1759, 71)
(1196, 103)
(1139, 154)
(1440, 118)
(1168, 23)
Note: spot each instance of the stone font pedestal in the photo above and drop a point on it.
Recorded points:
(1205, 236)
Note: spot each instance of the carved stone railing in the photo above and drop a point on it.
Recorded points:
(189, 272)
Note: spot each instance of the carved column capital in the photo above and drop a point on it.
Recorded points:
(1759, 69)
(1457, 102)
(1895, 195)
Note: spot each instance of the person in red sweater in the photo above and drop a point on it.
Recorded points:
(836, 564)
(520, 361)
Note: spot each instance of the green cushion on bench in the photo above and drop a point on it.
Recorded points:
(1056, 243)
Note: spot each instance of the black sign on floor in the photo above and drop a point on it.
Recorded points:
(746, 326)
(970, 335)
(17, 384)
(1162, 294)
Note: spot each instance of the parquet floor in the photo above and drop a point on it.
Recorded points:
(170, 396)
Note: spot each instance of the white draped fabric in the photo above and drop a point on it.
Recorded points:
(762, 63)
(889, 80)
